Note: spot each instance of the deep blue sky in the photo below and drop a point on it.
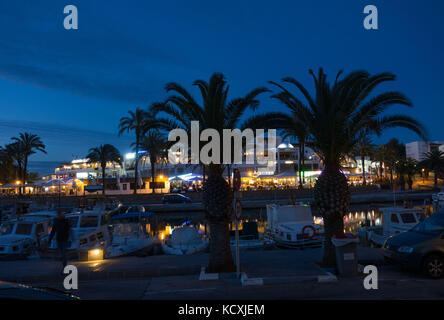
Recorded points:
(72, 86)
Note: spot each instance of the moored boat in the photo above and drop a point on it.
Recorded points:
(184, 240)
(130, 236)
(292, 226)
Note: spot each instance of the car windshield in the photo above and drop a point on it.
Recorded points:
(6, 228)
(24, 228)
(432, 225)
(89, 222)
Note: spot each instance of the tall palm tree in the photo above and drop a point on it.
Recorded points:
(335, 115)
(363, 148)
(102, 155)
(411, 168)
(380, 155)
(135, 121)
(293, 128)
(16, 153)
(215, 112)
(154, 143)
(434, 161)
(30, 143)
(7, 167)
(394, 151)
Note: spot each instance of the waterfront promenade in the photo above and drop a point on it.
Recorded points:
(286, 274)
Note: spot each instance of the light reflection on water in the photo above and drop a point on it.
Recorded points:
(352, 222)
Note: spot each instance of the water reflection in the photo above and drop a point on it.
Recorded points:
(352, 222)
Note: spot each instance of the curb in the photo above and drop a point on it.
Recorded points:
(103, 275)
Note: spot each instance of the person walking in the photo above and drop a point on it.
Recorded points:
(61, 230)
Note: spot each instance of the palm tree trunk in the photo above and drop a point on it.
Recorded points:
(136, 167)
(300, 165)
(19, 175)
(153, 172)
(25, 166)
(303, 160)
(217, 201)
(332, 226)
(103, 178)
(380, 170)
(435, 177)
(229, 174)
(221, 259)
(391, 178)
(364, 182)
(332, 197)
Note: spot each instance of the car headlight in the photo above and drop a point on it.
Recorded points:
(405, 249)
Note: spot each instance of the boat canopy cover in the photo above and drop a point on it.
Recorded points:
(133, 215)
(185, 236)
(290, 213)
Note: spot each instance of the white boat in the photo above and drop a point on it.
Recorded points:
(88, 230)
(293, 226)
(394, 220)
(23, 236)
(130, 236)
(184, 240)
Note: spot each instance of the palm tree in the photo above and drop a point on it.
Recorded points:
(29, 143)
(411, 168)
(15, 152)
(154, 143)
(7, 167)
(293, 128)
(334, 116)
(380, 155)
(136, 121)
(394, 151)
(363, 148)
(434, 161)
(214, 112)
(102, 155)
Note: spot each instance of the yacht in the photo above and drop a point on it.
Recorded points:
(185, 240)
(394, 220)
(24, 235)
(130, 234)
(293, 226)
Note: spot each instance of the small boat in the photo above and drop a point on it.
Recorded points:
(292, 226)
(184, 240)
(24, 236)
(394, 220)
(130, 236)
(88, 230)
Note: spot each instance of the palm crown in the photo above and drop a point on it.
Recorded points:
(338, 112)
(102, 155)
(215, 110)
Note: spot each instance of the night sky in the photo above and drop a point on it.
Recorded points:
(72, 86)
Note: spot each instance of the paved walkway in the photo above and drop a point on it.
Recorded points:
(256, 263)
(287, 274)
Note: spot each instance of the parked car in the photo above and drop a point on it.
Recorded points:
(438, 196)
(175, 198)
(421, 248)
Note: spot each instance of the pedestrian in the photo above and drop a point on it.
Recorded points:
(61, 229)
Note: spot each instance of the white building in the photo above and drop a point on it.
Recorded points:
(417, 149)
